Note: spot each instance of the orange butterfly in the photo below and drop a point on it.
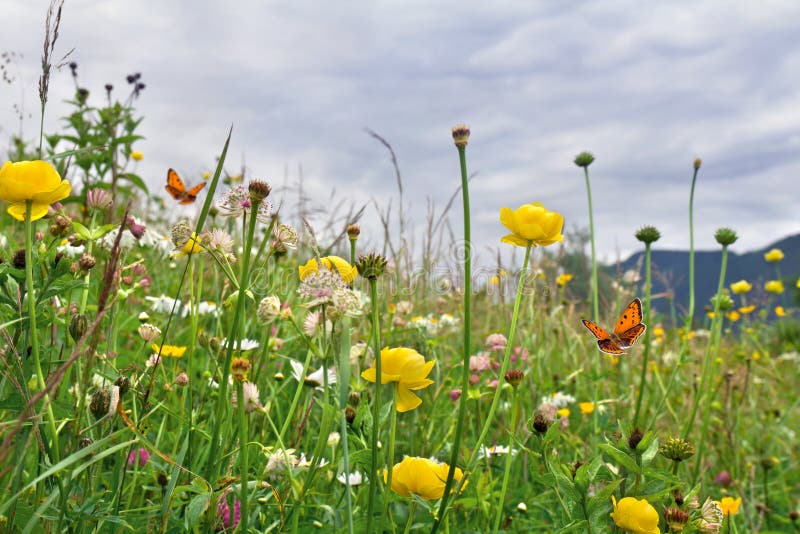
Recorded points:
(627, 330)
(177, 189)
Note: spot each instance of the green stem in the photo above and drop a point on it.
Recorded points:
(390, 453)
(690, 316)
(507, 471)
(595, 297)
(33, 333)
(705, 390)
(462, 400)
(243, 465)
(344, 386)
(643, 377)
(376, 407)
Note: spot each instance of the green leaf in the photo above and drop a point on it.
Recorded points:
(81, 230)
(652, 447)
(136, 180)
(621, 457)
(196, 508)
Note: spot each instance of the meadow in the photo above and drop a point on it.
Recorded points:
(220, 374)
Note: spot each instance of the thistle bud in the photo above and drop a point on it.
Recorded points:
(726, 236)
(540, 423)
(18, 260)
(349, 415)
(676, 518)
(123, 383)
(676, 449)
(648, 234)
(514, 377)
(268, 309)
(353, 231)
(239, 369)
(99, 403)
(584, 159)
(77, 326)
(461, 134)
(635, 438)
(86, 262)
(259, 190)
(371, 266)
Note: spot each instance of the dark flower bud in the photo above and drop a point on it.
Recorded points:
(99, 403)
(124, 384)
(678, 496)
(349, 415)
(697, 163)
(635, 438)
(540, 423)
(353, 231)
(130, 78)
(676, 518)
(84, 442)
(82, 95)
(162, 479)
(19, 259)
(73, 67)
(354, 398)
(514, 377)
(259, 190)
(87, 262)
(77, 326)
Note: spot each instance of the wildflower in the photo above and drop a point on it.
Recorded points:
(422, 477)
(353, 479)
(35, 181)
(729, 505)
(236, 202)
(407, 369)
(774, 286)
(648, 234)
(744, 310)
(564, 412)
(153, 360)
(586, 407)
(227, 522)
(191, 246)
(138, 457)
(346, 271)
(99, 199)
(284, 238)
(314, 379)
(220, 241)
(540, 423)
(514, 377)
(333, 439)
(239, 369)
(480, 362)
(741, 287)
(182, 379)
(206, 307)
(774, 255)
(149, 332)
(635, 516)
(259, 190)
(455, 394)
(676, 449)
(733, 316)
(780, 311)
(136, 156)
(563, 279)
(495, 450)
(461, 135)
(522, 507)
(371, 266)
(711, 516)
(170, 351)
(584, 159)
(726, 236)
(250, 395)
(532, 223)
(676, 518)
(268, 309)
(242, 345)
(559, 399)
(318, 288)
(496, 342)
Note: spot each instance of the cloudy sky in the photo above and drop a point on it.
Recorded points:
(647, 87)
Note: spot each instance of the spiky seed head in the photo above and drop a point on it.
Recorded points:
(259, 190)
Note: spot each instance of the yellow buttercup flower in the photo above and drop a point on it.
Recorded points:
(744, 310)
(659, 331)
(192, 246)
(729, 505)
(564, 412)
(138, 156)
(774, 286)
(733, 316)
(563, 279)
(169, 351)
(346, 271)
(798, 283)
(408, 369)
(532, 223)
(422, 477)
(773, 255)
(586, 407)
(779, 311)
(635, 516)
(742, 286)
(35, 181)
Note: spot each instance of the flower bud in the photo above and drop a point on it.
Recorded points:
(676, 449)
(697, 163)
(726, 236)
(149, 332)
(461, 135)
(353, 231)
(648, 234)
(635, 438)
(123, 383)
(514, 377)
(18, 260)
(268, 309)
(540, 423)
(77, 326)
(259, 190)
(676, 518)
(371, 266)
(87, 262)
(180, 233)
(349, 415)
(99, 199)
(584, 159)
(182, 379)
(239, 369)
(99, 403)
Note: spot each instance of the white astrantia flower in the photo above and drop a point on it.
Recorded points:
(164, 304)
(354, 479)
(315, 379)
(243, 345)
(280, 459)
(250, 394)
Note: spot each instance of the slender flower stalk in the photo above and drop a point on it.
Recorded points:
(507, 469)
(390, 451)
(376, 343)
(648, 235)
(461, 137)
(243, 464)
(725, 237)
(344, 386)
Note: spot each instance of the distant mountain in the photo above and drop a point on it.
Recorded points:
(671, 272)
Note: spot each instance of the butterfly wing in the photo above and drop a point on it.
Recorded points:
(191, 194)
(631, 317)
(630, 336)
(175, 186)
(609, 347)
(596, 329)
